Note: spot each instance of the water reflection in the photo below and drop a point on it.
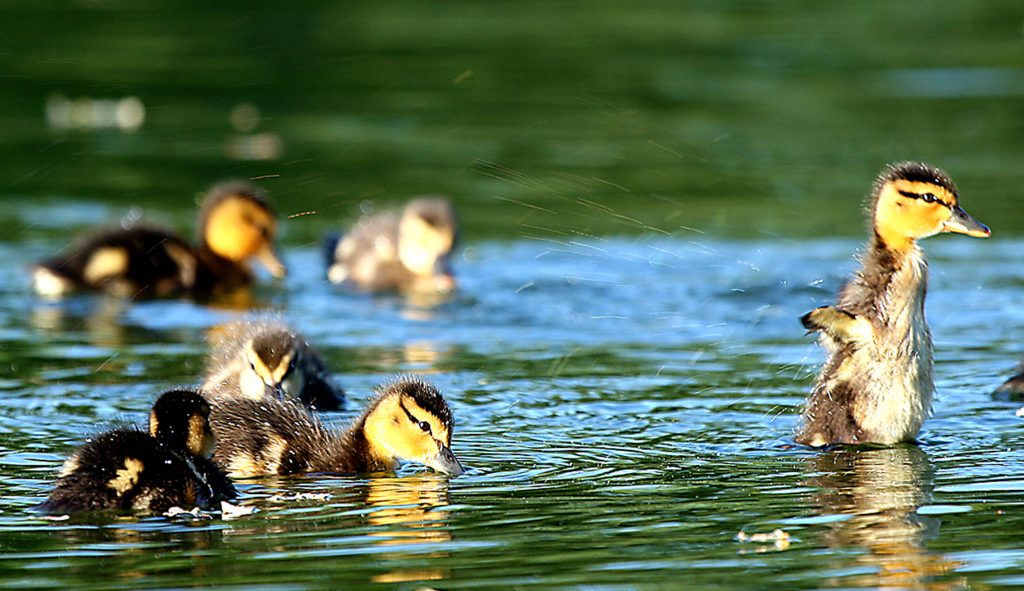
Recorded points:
(409, 510)
(880, 490)
(100, 319)
(127, 547)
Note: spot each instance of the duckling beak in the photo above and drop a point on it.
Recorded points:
(961, 222)
(269, 259)
(445, 462)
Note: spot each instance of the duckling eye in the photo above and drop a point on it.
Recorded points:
(424, 426)
(929, 198)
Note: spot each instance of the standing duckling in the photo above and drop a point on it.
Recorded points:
(129, 469)
(405, 252)
(261, 359)
(877, 384)
(408, 420)
(236, 223)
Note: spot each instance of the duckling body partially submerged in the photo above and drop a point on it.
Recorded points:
(129, 469)
(392, 251)
(261, 359)
(235, 224)
(1014, 387)
(408, 420)
(877, 383)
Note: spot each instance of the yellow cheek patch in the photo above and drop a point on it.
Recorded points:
(104, 263)
(421, 244)
(282, 368)
(899, 219)
(197, 435)
(238, 228)
(261, 369)
(127, 477)
(921, 188)
(392, 434)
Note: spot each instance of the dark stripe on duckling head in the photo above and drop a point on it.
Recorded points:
(423, 425)
(435, 211)
(274, 346)
(915, 172)
(926, 197)
(423, 394)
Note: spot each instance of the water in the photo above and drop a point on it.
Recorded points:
(651, 197)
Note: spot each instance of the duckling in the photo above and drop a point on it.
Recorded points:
(236, 223)
(408, 420)
(877, 384)
(265, 359)
(1013, 387)
(406, 252)
(129, 469)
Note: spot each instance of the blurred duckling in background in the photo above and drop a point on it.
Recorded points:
(260, 359)
(128, 469)
(408, 420)
(406, 252)
(1013, 388)
(877, 384)
(236, 224)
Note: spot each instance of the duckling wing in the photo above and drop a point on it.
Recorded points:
(139, 261)
(267, 437)
(842, 326)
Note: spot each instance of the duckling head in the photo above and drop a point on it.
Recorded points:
(272, 356)
(914, 200)
(410, 421)
(181, 420)
(237, 223)
(427, 233)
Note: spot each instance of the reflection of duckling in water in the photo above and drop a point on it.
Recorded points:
(398, 252)
(877, 383)
(260, 359)
(882, 539)
(235, 224)
(408, 420)
(130, 469)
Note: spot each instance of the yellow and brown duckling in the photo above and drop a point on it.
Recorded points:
(877, 384)
(236, 224)
(407, 421)
(260, 359)
(128, 469)
(407, 251)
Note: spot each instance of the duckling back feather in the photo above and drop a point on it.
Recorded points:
(272, 436)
